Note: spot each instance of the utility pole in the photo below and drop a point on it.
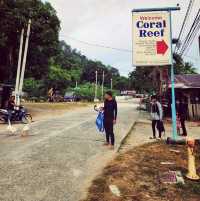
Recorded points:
(111, 84)
(103, 77)
(96, 86)
(24, 58)
(17, 101)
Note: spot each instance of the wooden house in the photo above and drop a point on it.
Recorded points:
(187, 89)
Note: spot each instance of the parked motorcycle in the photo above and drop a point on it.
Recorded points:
(18, 115)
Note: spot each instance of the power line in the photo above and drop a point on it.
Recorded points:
(191, 3)
(192, 39)
(98, 45)
(113, 48)
(191, 34)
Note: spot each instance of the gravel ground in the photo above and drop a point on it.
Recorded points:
(142, 132)
(59, 158)
(135, 170)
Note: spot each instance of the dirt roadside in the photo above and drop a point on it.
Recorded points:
(59, 157)
(41, 111)
(135, 172)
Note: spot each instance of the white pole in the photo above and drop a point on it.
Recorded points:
(111, 84)
(103, 77)
(24, 58)
(19, 68)
(95, 97)
(76, 84)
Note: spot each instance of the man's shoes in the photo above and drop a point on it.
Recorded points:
(106, 144)
(152, 138)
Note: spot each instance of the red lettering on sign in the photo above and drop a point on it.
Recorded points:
(154, 18)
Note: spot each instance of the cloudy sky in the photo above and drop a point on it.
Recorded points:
(108, 23)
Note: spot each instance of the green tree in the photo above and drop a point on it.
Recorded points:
(45, 27)
(86, 91)
(58, 77)
(182, 67)
(49, 62)
(121, 83)
(140, 79)
(34, 87)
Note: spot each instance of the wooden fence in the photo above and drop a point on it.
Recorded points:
(194, 111)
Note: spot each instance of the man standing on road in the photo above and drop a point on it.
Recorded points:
(156, 116)
(110, 116)
(182, 113)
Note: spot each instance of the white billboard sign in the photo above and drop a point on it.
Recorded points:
(151, 39)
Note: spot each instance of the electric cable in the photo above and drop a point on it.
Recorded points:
(191, 3)
(191, 34)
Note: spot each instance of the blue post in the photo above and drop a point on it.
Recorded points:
(173, 106)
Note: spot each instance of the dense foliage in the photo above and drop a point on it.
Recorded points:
(182, 67)
(45, 27)
(141, 78)
(53, 63)
(50, 62)
(86, 91)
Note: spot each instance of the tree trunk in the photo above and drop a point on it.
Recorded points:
(1, 2)
(10, 64)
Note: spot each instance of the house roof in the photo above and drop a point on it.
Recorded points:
(187, 81)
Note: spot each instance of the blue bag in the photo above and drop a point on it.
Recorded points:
(99, 122)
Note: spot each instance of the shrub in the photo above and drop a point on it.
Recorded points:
(34, 88)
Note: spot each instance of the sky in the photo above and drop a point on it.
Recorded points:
(109, 23)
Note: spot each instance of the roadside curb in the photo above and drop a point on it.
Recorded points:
(125, 137)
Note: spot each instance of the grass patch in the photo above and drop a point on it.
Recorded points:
(54, 106)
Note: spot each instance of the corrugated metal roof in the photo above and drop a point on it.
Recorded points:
(188, 80)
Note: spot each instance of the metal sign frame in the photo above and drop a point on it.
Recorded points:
(173, 106)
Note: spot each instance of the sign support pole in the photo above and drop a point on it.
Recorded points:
(103, 77)
(173, 106)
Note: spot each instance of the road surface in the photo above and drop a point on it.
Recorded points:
(59, 158)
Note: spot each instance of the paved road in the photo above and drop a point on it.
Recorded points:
(59, 158)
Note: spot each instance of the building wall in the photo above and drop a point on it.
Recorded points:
(191, 97)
